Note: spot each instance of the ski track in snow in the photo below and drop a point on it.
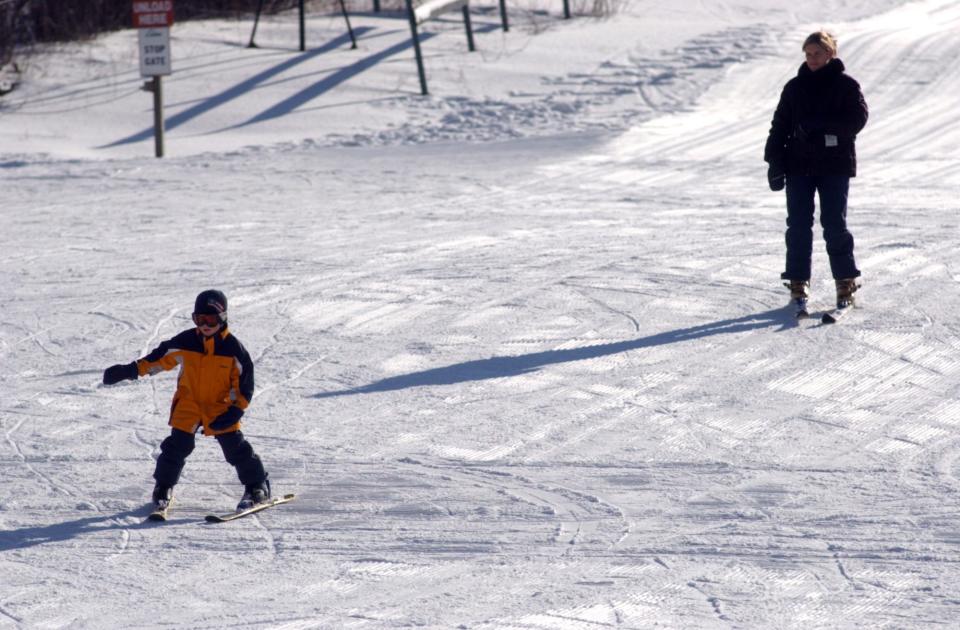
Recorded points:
(553, 385)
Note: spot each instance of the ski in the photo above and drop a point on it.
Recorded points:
(834, 316)
(223, 518)
(845, 301)
(160, 511)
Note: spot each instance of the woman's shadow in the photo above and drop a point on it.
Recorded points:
(505, 366)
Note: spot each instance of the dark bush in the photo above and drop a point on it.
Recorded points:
(27, 22)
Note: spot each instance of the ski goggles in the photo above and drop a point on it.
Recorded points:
(207, 319)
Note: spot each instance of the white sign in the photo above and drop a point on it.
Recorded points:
(155, 51)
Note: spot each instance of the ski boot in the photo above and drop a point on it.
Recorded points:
(162, 496)
(254, 494)
(846, 287)
(799, 295)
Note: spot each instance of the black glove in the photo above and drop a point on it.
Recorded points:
(776, 177)
(227, 419)
(120, 372)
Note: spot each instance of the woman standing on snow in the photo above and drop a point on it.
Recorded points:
(810, 149)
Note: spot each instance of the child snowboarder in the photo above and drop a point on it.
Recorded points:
(213, 390)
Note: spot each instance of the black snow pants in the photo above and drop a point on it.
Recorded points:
(175, 449)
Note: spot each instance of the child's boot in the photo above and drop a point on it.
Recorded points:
(254, 494)
(162, 496)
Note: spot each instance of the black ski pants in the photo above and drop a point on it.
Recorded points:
(238, 452)
(833, 191)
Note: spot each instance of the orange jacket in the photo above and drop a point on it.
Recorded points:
(215, 374)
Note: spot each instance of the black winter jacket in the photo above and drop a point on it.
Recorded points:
(816, 123)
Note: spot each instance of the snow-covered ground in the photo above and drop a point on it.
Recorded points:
(521, 347)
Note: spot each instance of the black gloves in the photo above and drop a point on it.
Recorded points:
(120, 372)
(776, 177)
(227, 419)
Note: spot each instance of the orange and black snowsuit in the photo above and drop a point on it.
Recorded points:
(215, 374)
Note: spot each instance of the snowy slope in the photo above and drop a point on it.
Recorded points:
(545, 381)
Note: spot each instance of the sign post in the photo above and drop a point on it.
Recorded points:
(152, 19)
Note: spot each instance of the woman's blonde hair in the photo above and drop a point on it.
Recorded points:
(822, 39)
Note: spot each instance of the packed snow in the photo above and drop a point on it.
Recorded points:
(521, 347)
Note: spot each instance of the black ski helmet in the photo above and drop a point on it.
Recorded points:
(211, 302)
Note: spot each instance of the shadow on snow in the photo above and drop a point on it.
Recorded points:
(506, 366)
(294, 101)
(68, 530)
(328, 83)
(248, 85)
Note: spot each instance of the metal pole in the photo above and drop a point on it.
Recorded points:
(157, 90)
(303, 30)
(416, 47)
(256, 20)
(503, 15)
(566, 9)
(376, 6)
(353, 40)
(468, 26)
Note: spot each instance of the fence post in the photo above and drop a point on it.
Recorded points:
(468, 26)
(346, 17)
(416, 47)
(256, 21)
(503, 16)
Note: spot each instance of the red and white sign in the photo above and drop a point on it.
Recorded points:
(152, 13)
